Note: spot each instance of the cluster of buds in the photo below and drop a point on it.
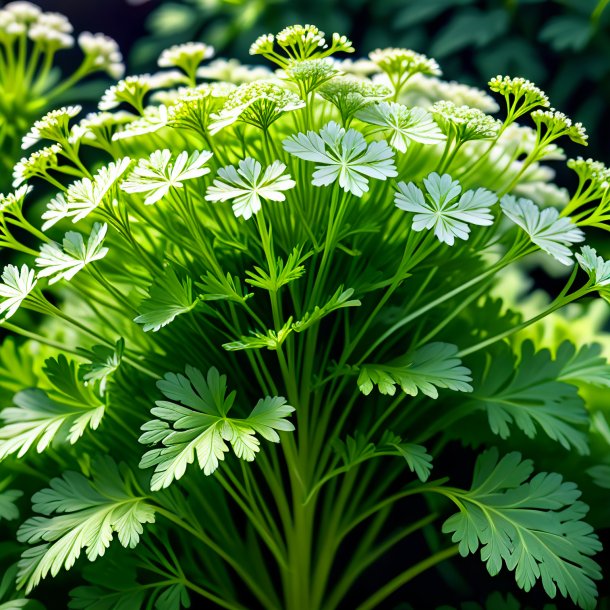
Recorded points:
(29, 41)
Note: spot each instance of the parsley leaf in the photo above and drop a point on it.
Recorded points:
(198, 425)
(533, 527)
(428, 368)
(530, 394)
(348, 158)
(168, 297)
(65, 262)
(440, 209)
(37, 417)
(544, 227)
(88, 515)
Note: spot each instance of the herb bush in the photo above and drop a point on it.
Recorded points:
(270, 356)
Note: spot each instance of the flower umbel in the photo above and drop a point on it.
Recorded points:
(259, 104)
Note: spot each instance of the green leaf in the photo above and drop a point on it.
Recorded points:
(88, 515)
(272, 339)
(113, 586)
(533, 527)
(7, 590)
(600, 474)
(168, 297)
(586, 365)
(567, 32)
(280, 273)
(66, 409)
(8, 497)
(529, 394)
(104, 361)
(67, 385)
(356, 449)
(200, 426)
(174, 598)
(37, 419)
(417, 457)
(470, 27)
(428, 368)
(222, 289)
(339, 300)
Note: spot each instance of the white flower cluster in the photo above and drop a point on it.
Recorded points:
(519, 88)
(299, 42)
(233, 71)
(130, 90)
(36, 164)
(399, 64)
(464, 123)
(259, 104)
(103, 53)
(557, 124)
(185, 56)
(52, 126)
(350, 94)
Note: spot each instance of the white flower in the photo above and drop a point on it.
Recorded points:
(66, 262)
(557, 124)
(259, 104)
(425, 90)
(357, 67)
(440, 209)
(596, 267)
(400, 65)
(84, 196)
(187, 56)
(156, 175)
(15, 287)
(544, 227)
(49, 38)
(103, 53)
(13, 202)
(233, 71)
(406, 124)
(52, 126)
(131, 90)
(395, 61)
(55, 21)
(247, 187)
(36, 164)
(350, 94)
(309, 74)
(24, 12)
(343, 155)
(463, 123)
